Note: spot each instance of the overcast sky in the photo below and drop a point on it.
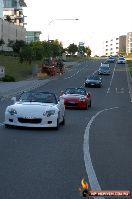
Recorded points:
(98, 20)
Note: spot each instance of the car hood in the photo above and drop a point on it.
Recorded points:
(32, 108)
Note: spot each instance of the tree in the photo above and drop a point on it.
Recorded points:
(1, 43)
(57, 48)
(72, 49)
(88, 51)
(27, 54)
(52, 48)
(38, 50)
(17, 45)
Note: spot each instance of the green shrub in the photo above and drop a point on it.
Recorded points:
(8, 78)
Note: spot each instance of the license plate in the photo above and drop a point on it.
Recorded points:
(72, 102)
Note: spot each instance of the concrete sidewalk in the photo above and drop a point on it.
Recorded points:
(9, 89)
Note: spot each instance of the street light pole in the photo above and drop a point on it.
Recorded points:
(59, 20)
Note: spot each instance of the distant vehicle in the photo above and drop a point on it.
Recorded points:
(121, 60)
(76, 98)
(110, 60)
(93, 81)
(104, 70)
(105, 64)
(35, 109)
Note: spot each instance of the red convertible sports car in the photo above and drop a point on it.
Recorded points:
(76, 98)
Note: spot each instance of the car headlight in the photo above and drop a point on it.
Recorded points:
(49, 113)
(82, 99)
(12, 111)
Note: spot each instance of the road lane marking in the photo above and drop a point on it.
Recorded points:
(121, 90)
(76, 72)
(94, 184)
(128, 81)
(108, 90)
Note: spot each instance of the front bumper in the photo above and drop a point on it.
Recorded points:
(76, 104)
(45, 121)
(93, 84)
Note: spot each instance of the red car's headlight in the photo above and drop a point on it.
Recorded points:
(82, 99)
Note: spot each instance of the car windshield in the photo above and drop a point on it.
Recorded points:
(93, 77)
(79, 91)
(43, 97)
(104, 68)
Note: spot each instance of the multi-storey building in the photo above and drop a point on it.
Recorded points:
(122, 44)
(9, 31)
(111, 47)
(129, 43)
(14, 9)
(115, 45)
(32, 36)
(1, 8)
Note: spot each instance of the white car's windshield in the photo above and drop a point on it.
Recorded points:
(43, 97)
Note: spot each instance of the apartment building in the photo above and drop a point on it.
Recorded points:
(129, 43)
(9, 31)
(122, 43)
(111, 46)
(1, 8)
(115, 45)
(14, 9)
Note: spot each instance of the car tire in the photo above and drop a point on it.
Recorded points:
(63, 121)
(7, 126)
(58, 125)
(90, 104)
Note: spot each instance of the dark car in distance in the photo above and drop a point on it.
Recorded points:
(111, 59)
(93, 81)
(104, 70)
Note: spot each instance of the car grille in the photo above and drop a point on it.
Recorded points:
(71, 104)
(30, 120)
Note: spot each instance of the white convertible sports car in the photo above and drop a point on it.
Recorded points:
(36, 109)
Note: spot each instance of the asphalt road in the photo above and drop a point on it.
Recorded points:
(94, 143)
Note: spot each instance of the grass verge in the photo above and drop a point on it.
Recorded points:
(14, 68)
(130, 66)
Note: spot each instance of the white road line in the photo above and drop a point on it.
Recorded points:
(108, 90)
(128, 81)
(74, 74)
(94, 184)
(121, 90)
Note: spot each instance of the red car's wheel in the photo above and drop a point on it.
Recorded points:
(90, 103)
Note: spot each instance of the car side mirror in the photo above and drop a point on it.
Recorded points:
(88, 94)
(13, 99)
